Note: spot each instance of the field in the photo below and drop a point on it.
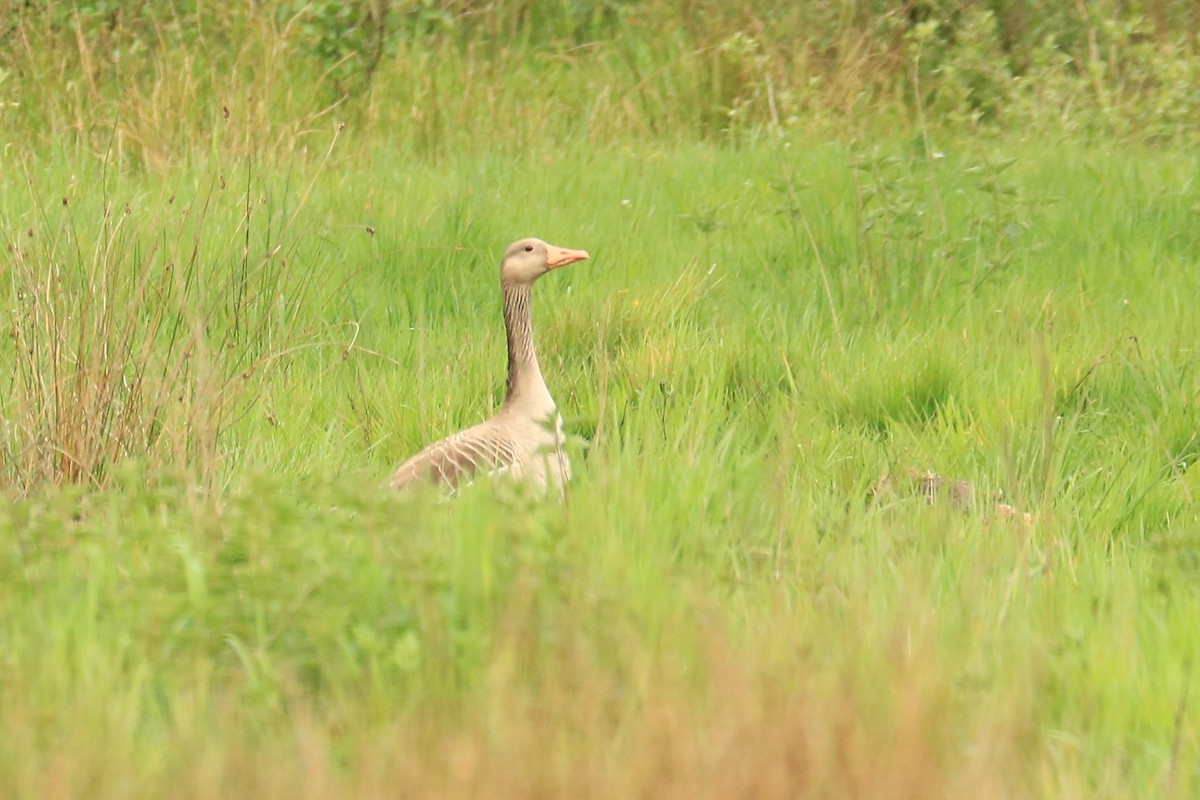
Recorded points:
(218, 355)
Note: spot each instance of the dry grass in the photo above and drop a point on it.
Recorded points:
(727, 731)
(144, 332)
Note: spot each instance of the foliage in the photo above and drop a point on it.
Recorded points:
(437, 73)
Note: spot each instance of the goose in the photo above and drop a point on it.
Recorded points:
(524, 439)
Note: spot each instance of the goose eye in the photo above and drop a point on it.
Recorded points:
(528, 248)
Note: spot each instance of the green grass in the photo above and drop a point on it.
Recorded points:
(721, 608)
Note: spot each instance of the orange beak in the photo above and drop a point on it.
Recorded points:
(561, 256)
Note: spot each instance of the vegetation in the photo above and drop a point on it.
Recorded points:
(249, 266)
(156, 82)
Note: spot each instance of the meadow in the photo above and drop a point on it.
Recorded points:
(230, 320)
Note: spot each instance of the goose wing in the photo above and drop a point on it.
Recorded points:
(482, 448)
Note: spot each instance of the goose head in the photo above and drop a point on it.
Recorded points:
(527, 260)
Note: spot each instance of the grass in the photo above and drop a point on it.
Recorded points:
(227, 328)
(720, 609)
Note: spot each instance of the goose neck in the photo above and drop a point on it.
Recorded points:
(525, 382)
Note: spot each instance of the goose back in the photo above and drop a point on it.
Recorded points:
(508, 444)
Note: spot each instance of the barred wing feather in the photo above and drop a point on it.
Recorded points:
(483, 448)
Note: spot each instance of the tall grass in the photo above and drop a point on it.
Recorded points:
(448, 76)
(201, 290)
(144, 325)
(724, 606)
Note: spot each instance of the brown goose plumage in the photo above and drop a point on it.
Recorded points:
(524, 440)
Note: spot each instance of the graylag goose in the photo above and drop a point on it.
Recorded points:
(524, 440)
